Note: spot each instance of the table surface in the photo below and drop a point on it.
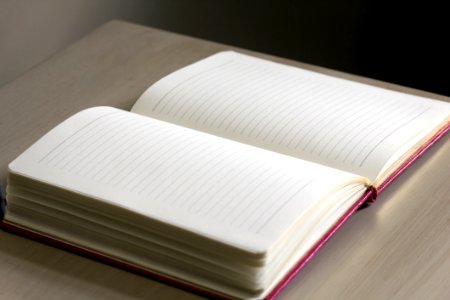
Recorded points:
(397, 248)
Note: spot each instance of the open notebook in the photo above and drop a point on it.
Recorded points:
(225, 177)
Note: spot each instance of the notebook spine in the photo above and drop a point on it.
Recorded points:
(371, 198)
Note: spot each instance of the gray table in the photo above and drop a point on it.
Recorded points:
(398, 248)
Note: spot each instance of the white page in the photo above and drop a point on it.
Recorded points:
(331, 121)
(228, 191)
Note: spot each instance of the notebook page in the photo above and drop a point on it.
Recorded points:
(228, 191)
(331, 121)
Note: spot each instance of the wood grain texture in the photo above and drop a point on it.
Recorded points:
(399, 248)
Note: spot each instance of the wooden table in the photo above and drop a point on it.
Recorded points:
(398, 248)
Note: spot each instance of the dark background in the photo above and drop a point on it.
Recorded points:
(403, 42)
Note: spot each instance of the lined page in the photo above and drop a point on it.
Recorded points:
(229, 191)
(331, 121)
